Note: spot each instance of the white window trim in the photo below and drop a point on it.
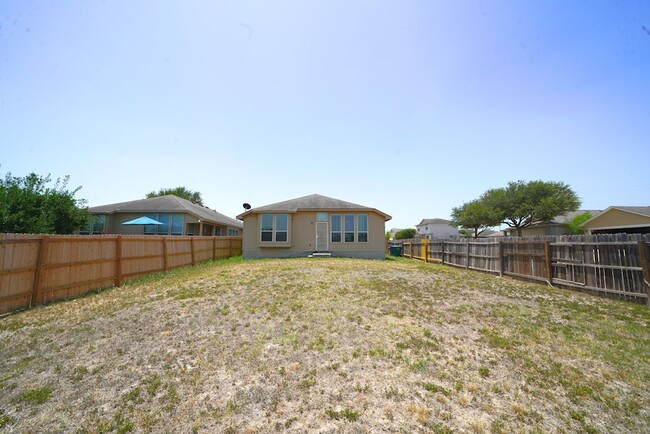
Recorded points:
(273, 241)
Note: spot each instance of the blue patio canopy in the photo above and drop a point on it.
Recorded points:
(144, 220)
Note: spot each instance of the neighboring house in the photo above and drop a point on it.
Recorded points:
(489, 233)
(620, 219)
(435, 229)
(179, 217)
(314, 224)
(556, 226)
(393, 232)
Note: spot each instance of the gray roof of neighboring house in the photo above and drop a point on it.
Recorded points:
(562, 218)
(168, 203)
(489, 233)
(643, 210)
(312, 202)
(435, 222)
(566, 218)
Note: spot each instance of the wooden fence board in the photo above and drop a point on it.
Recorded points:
(608, 264)
(36, 269)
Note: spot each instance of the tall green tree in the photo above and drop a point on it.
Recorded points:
(522, 203)
(192, 196)
(29, 205)
(476, 216)
(405, 234)
(574, 226)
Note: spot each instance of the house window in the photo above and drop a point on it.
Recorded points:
(274, 228)
(321, 216)
(231, 232)
(177, 225)
(217, 232)
(336, 228)
(163, 229)
(171, 224)
(151, 229)
(281, 227)
(362, 228)
(267, 227)
(349, 228)
(98, 224)
(95, 227)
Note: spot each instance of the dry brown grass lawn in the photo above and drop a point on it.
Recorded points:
(327, 345)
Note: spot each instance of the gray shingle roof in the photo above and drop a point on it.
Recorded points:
(566, 218)
(644, 210)
(169, 203)
(434, 222)
(312, 202)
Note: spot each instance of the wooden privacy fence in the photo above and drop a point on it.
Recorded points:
(607, 264)
(36, 269)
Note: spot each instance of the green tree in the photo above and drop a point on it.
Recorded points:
(521, 203)
(475, 215)
(405, 234)
(574, 225)
(28, 205)
(192, 196)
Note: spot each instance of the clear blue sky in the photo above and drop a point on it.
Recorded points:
(410, 107)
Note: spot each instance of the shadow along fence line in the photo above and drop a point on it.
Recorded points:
(37, 269)
(616, 264)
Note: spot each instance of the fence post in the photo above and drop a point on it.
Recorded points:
(192, 249)
(646, 267)
(425, 244)
(40, 270)
(501, 259)
(118, 261)
(547, 256)
(467, 256)
(214, 248)
(230, 247)
(164, 249)
(442, 254)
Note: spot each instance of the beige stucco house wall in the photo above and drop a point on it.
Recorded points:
(306, 216)
(629, 219)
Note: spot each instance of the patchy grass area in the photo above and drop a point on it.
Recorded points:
(327, 345)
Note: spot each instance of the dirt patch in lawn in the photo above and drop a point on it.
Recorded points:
(327, 345)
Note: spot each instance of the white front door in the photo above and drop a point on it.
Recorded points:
(322, 237)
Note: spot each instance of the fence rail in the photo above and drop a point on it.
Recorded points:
(36, 269)
(606, 264)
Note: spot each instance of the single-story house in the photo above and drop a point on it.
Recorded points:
(179, 217)
(556, 226)
(489, 233)
(620, 219)
(314, 224)
(436, 229)
(393, 232)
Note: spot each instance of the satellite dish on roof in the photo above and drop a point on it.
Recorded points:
(247, 206)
